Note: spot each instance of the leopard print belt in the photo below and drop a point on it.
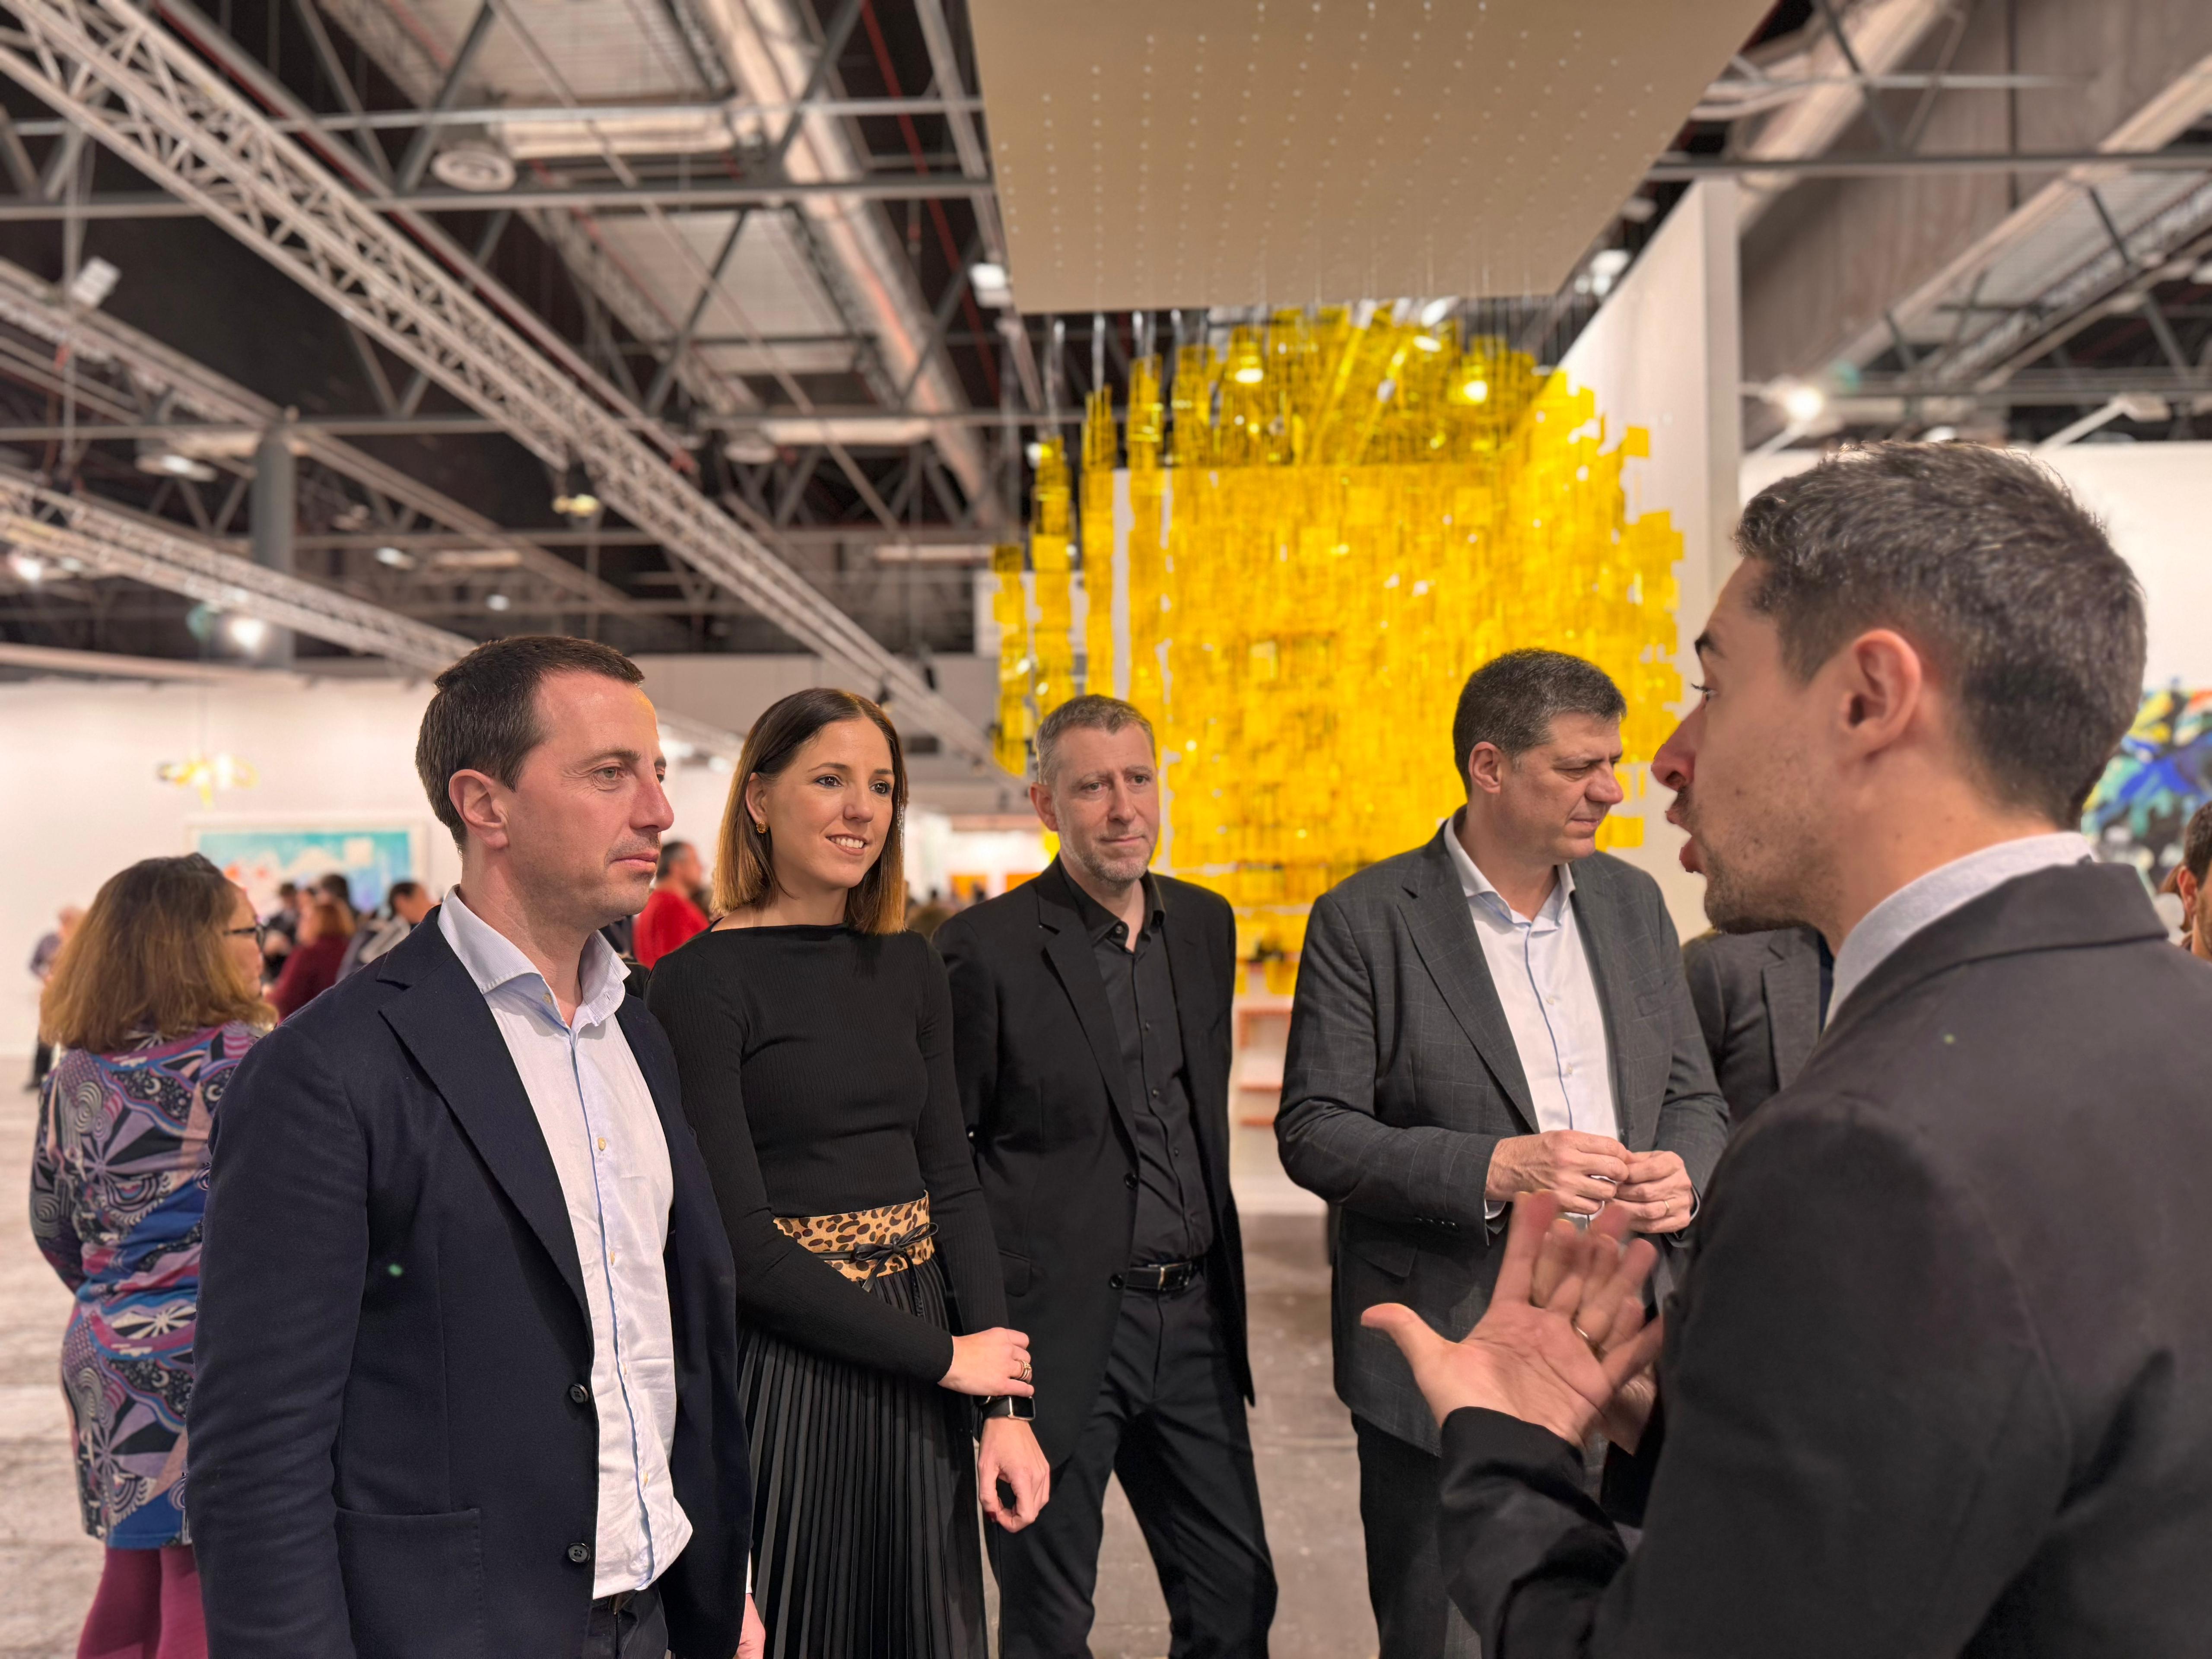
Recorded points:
(862, 1243)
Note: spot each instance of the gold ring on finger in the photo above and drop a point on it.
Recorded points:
(1588, 1340)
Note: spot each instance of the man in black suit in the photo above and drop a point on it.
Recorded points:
(1502, 1010)
(467, 1345)
(1934, 1383)
(1760, 999)
(1091, 1030)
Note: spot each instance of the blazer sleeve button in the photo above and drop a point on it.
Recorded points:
(580, 1553)
(1115, 1281)
(1130, 1182)
(579, 1395)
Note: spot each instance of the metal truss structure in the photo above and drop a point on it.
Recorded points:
(107, 540)
(115, 73)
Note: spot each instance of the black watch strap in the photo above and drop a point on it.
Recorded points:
(1020, 1406)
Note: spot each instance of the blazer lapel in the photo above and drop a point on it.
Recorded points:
(1792, 982)
(1608, 951)
(1067, 949)
(1198, 995)
(447, 1027)
(1444, 933)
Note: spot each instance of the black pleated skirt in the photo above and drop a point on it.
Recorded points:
(865, 1533)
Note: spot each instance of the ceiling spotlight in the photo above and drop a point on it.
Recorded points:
(164, 462)
(1476, 391)
(988, 282)
(247, 633)
(396, 558)
(1639, 210)
(94, 281)
(2202, 275)
(752, 448)
(29, 568)
(1436, 310)
(496, 602)
(1939, 434)
(576, 499)
(1802, 403)
(473, 165)
(1035, 454)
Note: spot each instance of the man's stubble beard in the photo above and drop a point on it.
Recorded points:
(1102, 874)
(1771, 877)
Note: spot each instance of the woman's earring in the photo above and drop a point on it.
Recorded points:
(760, 829)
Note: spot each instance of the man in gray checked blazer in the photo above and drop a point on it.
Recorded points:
(1501, 1011)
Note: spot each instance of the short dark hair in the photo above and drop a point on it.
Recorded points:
(2196, 844)
(1988, 565)
(483, 717)
(1092, 712)
(669, 852)
(1512, 700)
(334, 885)
(404, 888)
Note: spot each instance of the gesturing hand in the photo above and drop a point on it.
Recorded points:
(1526, 1356)
(1011, 1453)
(988, 1362)
(1657, 1194)
(1582, 1170)
(753, 1642)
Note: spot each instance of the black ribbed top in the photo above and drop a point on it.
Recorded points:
(816, 1067)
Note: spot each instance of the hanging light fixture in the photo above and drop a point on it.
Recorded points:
(577, 500)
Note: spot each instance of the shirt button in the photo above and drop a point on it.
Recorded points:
(580, 1553)
(603, 1143)
(1130, 1182)
(1571, 1070)
(579, 1395)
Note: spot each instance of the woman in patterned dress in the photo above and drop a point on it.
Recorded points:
(155, 998)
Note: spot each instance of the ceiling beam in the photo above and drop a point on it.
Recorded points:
(174, 120)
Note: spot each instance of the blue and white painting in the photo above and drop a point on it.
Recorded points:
(260, 860)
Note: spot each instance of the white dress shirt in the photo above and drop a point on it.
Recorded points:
(599, 1124)
(1543, 978)
(1930, 897)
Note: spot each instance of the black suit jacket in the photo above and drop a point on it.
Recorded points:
(1757, 998)
(387, 1460)
(1402, 1076)
(1046, 1101)
(1939, 1379)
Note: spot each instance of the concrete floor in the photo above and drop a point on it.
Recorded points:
(1301, 1437)
(46, 1562)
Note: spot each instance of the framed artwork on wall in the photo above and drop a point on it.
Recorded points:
(259, 857)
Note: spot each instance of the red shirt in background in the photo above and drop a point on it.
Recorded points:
(667, 921)
(311, 970)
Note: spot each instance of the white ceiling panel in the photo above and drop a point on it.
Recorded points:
(1155, 153)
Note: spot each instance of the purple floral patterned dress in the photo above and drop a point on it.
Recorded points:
(119, 1186)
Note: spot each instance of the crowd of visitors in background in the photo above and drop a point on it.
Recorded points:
(623, 1267)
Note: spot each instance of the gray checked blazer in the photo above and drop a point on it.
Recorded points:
(1402, 1075)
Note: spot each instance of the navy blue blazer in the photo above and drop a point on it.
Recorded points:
(393, 1447)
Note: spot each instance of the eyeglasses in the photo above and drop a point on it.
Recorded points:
(258, 932)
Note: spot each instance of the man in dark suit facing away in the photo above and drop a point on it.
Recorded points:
(1090, 1031)
(467, 1352)
(1760, 999)
(1936, 1382)
(1500, 1012)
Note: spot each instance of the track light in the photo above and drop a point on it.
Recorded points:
(28, 567)
(247, 633)
(395, 557)
(577, 499)
(1803, 402)
(496, 602)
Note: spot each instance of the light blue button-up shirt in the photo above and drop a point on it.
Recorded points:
(599, 1124)
(1542, 975)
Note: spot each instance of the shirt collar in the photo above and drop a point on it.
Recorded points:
(1099, 922)
(495, 961)
(1476, 887)
(1929, 898)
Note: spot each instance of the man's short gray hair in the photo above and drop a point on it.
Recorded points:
(1090, 712)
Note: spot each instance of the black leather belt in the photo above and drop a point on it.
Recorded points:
(1159, 1277)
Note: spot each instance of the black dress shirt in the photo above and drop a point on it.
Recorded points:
(1174, 1221)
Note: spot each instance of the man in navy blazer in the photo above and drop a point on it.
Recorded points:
(467, 1345)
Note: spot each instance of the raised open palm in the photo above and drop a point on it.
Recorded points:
(1527, 1356)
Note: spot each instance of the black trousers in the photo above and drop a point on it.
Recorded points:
(1414, 1616)
(627, 1627)
(1171, 1422)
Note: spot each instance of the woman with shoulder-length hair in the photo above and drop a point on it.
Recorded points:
(155, 998)
(814, 1037)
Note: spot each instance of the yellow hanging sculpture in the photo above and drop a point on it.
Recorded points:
(1355, 518)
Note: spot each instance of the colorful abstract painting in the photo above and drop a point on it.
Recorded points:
(259, 859)
(2162, 774)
